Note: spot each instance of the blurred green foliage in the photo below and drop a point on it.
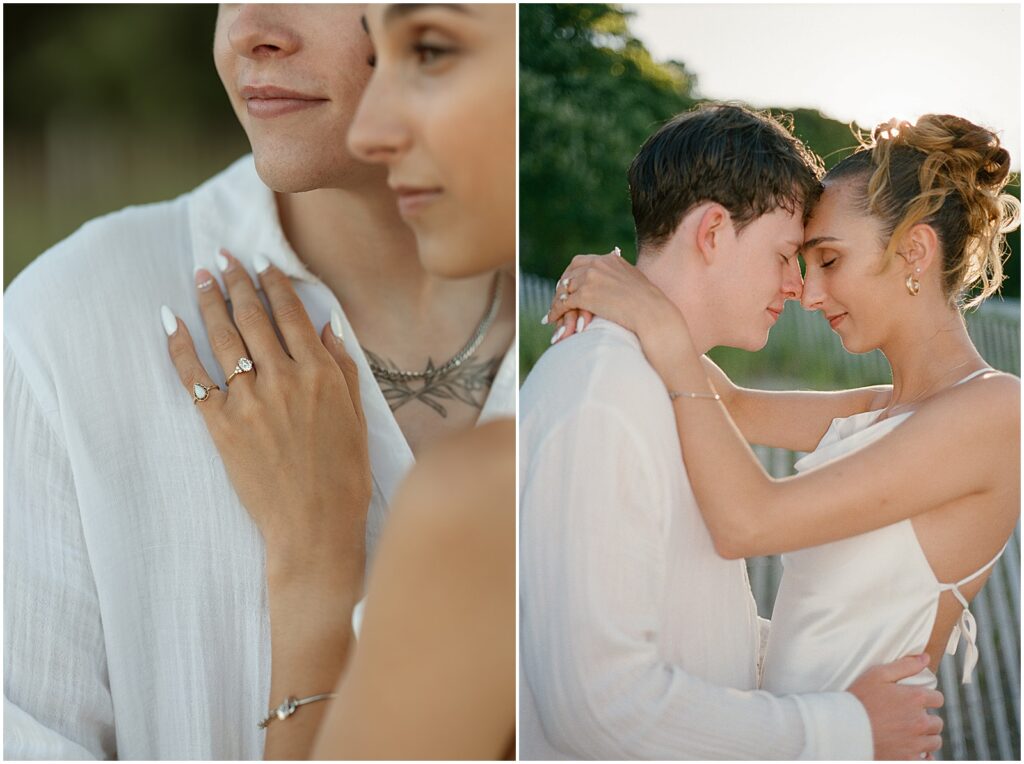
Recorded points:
(589, 95)
(106, 106)
(145, 65)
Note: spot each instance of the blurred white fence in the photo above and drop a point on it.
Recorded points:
(982, 719)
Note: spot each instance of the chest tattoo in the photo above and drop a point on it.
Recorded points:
(467, 383)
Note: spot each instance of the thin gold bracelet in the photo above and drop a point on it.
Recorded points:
(288, 706)
(672, 394)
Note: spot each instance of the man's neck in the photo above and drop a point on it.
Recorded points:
(359, 246)
(353, 241)
(673, 274)
(362, 250)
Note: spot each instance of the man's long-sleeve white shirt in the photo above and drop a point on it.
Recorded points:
(637, 639)
(136, 620)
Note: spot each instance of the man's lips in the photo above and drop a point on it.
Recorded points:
(413, 199)
(836, 319)
(776, 312)
(272, 101)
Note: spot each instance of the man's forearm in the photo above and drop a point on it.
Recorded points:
(663, 712)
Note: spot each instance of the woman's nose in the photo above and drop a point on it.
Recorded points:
(378, 132)
(813, 297)
(258, 32)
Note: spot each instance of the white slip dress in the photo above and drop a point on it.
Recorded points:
(855, 603)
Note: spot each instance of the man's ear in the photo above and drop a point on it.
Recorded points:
(713, 225)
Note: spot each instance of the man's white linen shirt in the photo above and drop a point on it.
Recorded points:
(136, 620)
(637, 640)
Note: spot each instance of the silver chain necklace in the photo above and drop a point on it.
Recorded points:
(456, 360)
(929, 389)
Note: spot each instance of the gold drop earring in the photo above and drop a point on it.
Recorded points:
(913, 285)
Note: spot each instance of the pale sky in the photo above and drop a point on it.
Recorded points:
(852, 62)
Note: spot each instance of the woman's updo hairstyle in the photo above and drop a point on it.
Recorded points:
(946, 172)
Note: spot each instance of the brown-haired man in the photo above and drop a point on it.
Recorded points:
(638, 640)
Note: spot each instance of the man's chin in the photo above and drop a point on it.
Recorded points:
(755, 342)
(283, 176)
(292, 172)
(749, 344)
(286, 176)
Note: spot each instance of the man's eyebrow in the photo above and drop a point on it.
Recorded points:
(398, 10)
(812, 243)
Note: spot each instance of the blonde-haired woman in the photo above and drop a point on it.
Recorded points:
(897, 515)
(431, 673)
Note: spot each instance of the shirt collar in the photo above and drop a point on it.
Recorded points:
(236, 210)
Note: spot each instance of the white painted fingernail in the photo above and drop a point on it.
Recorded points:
(558, 335)
(544, 321)
(260, 262)
(222, 262)
(336, 326)
(579, 324)
(169, 321)
(618, 252)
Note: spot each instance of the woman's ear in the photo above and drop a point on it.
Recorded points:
(920, 248)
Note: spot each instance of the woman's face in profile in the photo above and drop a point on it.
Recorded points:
(846, 277)
(440, 113)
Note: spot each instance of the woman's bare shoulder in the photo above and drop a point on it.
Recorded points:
(983, 417)
(993, 398)
(492, 437)
(470, 457)
(463, 479)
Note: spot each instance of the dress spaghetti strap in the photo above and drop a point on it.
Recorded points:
(972, 375)
(966, 626)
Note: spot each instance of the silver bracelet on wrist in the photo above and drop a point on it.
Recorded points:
(672, 394)
(288, 706)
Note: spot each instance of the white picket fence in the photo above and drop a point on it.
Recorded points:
(983, 718)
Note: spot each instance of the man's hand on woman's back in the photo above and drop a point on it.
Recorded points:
(901, 726)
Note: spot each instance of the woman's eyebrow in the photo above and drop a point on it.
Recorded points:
(812, 243)
(398, 10)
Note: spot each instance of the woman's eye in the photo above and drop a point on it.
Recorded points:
(428, 54)
(827, 263)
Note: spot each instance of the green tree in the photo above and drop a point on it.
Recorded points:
(590, 93)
